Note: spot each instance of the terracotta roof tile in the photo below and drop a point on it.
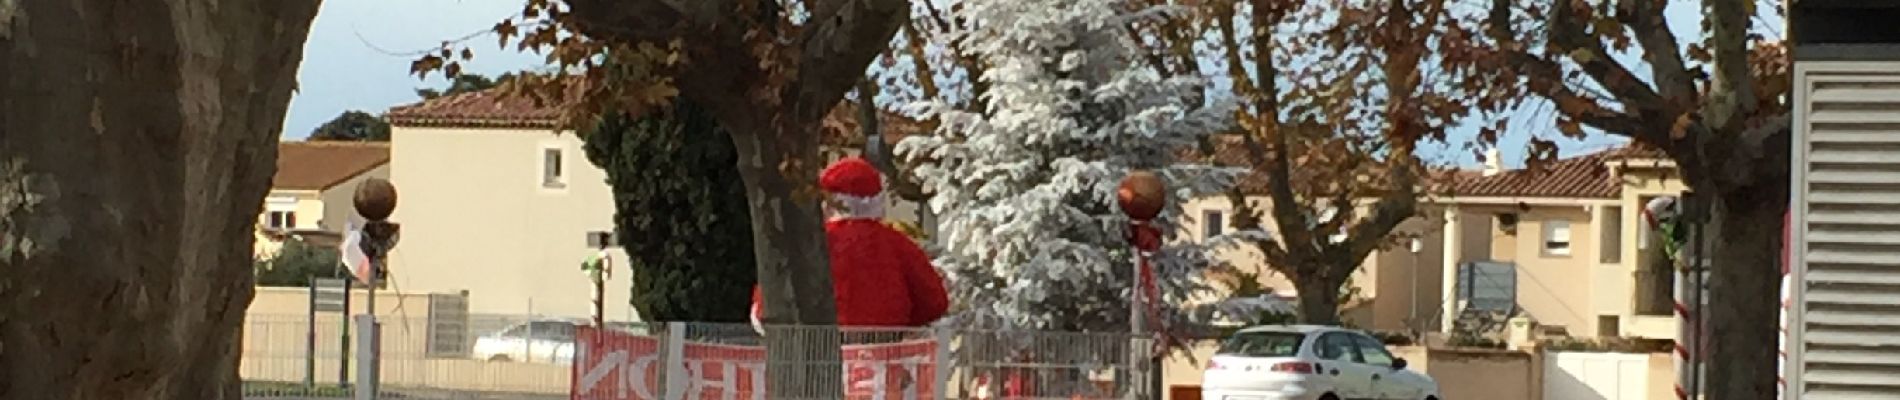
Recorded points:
(1586, 176)
(484, 109)
(320, 165)
(492, 109)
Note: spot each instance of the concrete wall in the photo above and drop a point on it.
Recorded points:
(1476, 374)
(277, 321)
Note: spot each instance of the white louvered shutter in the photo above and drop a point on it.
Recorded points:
(1844, 320)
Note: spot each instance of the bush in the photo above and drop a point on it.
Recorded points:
(1394, 338)
(1607, 345)
(1474, 341)
(296, 262)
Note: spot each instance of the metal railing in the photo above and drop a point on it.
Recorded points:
(525, 357)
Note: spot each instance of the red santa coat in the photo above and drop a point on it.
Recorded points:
(880, 277)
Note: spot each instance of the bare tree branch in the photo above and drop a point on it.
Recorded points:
(1660, 49)
(837, 49)
(1568, 37)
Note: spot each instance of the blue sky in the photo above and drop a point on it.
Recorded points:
(348, 63)
(359, 51)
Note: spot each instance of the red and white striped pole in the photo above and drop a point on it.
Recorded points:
(1685, 334)
(1787, 293)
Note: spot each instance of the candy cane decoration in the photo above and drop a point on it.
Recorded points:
(1660, 214)
(1787, 292)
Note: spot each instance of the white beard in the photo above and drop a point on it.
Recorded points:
(844, 207)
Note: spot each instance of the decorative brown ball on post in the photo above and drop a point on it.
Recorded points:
(375, 199)
(1142, 195)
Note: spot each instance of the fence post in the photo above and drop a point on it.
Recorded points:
(1138, 380)
(940, 379)
(310, 340)
(673, 357)
(368, 356)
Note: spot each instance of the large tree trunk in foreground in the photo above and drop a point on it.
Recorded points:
(1744, 277)
(137, 141)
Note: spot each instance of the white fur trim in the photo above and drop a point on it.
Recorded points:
(857, 207)
(756, 324)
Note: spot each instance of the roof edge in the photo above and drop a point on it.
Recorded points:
(353, 175)
(1538, 200)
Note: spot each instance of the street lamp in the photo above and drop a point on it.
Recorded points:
(599, 267)
(1417, 247)
(375, 200)
(1142, 195)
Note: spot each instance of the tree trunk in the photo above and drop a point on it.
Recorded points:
(1744, 279)
(1318, 300)
(137, 141)
(794, 265)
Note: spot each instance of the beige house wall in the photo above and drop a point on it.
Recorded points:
(1592, 287)
(1384, 279)
(307, 205)
(1554, 289)
(476, 217)
(339, 205)
(1408, 283)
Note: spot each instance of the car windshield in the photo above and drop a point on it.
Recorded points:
(1262, 344)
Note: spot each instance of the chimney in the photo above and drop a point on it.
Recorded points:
(1493, 163)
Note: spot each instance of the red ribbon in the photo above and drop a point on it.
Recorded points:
(1147, 239)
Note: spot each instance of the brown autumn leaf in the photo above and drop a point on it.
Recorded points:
(1569, 127)
(1698, 52)
(422, 66)
(504, 30)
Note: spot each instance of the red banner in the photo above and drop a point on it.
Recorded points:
(613, 365)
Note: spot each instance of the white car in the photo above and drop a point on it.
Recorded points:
(1303, 362)
(542, 341)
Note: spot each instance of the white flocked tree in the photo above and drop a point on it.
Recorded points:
(1025, 188)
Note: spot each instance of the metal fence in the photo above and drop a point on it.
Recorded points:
(525, 357)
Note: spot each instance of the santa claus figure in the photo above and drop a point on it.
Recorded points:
(880, 277)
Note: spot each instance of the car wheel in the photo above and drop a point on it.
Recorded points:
(500, 358)
(1328, 396)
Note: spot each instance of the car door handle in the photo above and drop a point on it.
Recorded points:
(1375, 377)
(1335, 372)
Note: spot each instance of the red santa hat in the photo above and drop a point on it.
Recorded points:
(856, 186)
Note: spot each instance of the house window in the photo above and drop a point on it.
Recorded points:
(280, 220)
(1214, 222)
(1557, 237)
(1610, 236)
(552, 174)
